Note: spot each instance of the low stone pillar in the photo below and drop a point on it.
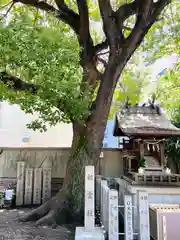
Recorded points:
(37, 186)
(89, 231)
(28, 186)
(20, 183)
(89, 214)
(143, 215)
(46, 191)
(113, 230)
(104, 183)
(128, 219)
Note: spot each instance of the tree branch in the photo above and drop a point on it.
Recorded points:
(64, 14)
(9, 9)
(127, 28)
(101, 60)
(17, 84)
(147, 15)
(110, 25)
(107, 15)
(158, 8)
(101, 46)
(84, 20)
(102, 53)
(87, 54)
(85, 39)
(127, 10)
(122, 14)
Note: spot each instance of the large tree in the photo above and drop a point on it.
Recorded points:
(96, 87)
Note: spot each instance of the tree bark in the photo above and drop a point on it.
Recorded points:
(68, 204)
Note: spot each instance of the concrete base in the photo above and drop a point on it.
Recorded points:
(96, 234)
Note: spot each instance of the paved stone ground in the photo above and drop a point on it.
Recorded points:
(11, 229)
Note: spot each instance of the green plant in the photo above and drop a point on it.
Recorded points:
(142, 163)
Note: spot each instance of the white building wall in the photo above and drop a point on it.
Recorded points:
(13, 130)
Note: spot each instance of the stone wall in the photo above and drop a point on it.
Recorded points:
(111, 165)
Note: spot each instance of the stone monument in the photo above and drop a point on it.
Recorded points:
(128, 217)
(20, 183)
(113, 229)
(37, 186)
(28, 186)
(46, 192)
(143, 210)
(89, 231)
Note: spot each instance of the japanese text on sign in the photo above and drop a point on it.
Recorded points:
(128, 217)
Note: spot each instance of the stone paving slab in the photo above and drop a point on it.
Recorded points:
(11, 229)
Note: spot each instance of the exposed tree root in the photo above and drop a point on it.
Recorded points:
(37, 213)
(67, 206)
(53, 212)
(48, 219)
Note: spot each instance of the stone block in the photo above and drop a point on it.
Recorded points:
(82, 234)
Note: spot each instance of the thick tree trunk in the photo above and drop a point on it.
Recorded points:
(68, 204)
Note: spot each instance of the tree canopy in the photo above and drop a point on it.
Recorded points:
(47, 56)
(43, 51)
(161, 41)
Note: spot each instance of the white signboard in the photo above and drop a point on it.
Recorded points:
(20, 183)
(46, 184)
(128, 217)
(113, 231)
(143, 209)
(89, 218)
(28, 186)
(37, 186)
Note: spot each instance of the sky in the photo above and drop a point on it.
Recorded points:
(157, 69)
(161, 64)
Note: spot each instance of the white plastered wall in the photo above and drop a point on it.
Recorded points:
(13, 130)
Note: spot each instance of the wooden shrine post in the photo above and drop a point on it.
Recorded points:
(141, 149)
(161, 145)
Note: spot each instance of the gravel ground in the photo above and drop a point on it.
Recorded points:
(11, 229)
